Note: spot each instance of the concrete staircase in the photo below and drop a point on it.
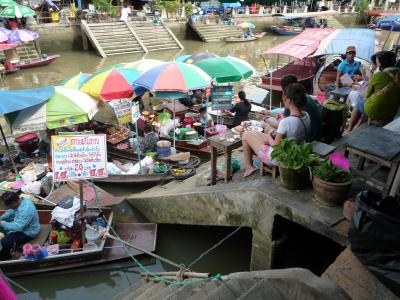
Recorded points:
(214, 32)
(112, 38)
(332, 22)
(272, 284)
(155, 37)
(27, 51)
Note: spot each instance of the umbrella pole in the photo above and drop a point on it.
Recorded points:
(137, 146)
(205, 125)
(8, 150)
(82, 212)
(174, 124)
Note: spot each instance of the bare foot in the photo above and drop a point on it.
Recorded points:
(248, 172)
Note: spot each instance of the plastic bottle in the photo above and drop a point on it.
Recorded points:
(53, 238)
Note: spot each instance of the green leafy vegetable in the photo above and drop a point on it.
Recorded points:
(328, 172)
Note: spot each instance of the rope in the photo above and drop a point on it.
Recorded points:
(16, 284)
(148, 272)
(213, 247)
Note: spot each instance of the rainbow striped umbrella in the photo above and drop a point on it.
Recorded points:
(111, 84)
(174, 77)
(143, 65)
(76, 81)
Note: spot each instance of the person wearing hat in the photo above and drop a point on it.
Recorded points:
(348, 66)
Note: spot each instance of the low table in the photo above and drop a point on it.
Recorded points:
(379, 145)
(217, 144)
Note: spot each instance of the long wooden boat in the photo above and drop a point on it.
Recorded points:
(287, 30)
(244, 39)
(137, 178)
(37, 62)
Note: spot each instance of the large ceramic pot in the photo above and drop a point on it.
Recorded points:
(330, 193)
(294, 179)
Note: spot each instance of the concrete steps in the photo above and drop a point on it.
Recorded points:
(332, 22)
(155, 37)
(27, 51)
(112, 38)
(214, 32)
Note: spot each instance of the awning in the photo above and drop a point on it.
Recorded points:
(366, 41)
(389, 23)
(302, 45)
(14, 100)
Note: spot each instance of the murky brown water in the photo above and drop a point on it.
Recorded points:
(177, 243)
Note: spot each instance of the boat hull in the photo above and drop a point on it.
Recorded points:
(287, 30)
(37, 62)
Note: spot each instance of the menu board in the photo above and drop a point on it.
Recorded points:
(77, 157)
(222, 98)
(122, 109)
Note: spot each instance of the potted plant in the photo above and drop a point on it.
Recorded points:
(332, 180)
(294, 161)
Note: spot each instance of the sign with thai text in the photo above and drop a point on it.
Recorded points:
(77, 157)
(122, 109)
(222, 98)
(135, 111)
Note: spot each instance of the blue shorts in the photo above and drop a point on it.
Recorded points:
(360, 106)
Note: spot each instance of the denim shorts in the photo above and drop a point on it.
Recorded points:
(360, 106)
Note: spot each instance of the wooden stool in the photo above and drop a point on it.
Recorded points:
(273, 170)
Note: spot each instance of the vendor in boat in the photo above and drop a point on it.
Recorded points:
(293, 127)
(349, 66)
(205, 119)
(383, 92)
(20, 223)
(241, 109)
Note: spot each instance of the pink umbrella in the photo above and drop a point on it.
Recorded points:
(4, 33)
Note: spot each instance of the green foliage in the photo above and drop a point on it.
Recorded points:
(102, 5)
(189, 9)
(170, 5)
(328, 172)
(114, 11)
(294, 156)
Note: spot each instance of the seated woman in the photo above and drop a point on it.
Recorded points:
(203, 117)
(293, 127)
(241, 109)
(349, 66)
(20, 223)
(383, 92)
(150, 139)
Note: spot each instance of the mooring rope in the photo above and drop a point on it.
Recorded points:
(16, 284)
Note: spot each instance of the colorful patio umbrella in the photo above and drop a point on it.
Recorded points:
(174, 77)
(226, 69)
(22, 35)
(66, 107)
(389, 23)
(200, 56)
(143, 65)
(245, 25)
(7, 2)
(4, 33)
(111, 84)
(182, 58)
(17, 11)
(76, 81)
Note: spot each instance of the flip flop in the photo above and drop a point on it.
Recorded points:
(247, 175)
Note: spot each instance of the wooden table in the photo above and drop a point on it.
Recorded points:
(217, 144)
(379, 145)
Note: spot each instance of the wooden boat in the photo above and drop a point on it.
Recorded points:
(37, 62)
(287, 30)
(144, 235)
(244, 39)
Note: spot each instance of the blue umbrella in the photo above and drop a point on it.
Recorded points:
(389, 23)
(182, 58)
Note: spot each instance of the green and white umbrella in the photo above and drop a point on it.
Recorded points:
(7, 2)
(143, 65)
(226, 69)
(65, 108)
(17, 11)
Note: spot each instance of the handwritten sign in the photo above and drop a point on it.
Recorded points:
(135, 111)
(222, 98)
(79, 157)
(122, 109)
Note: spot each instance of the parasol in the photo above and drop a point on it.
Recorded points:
(17, 11)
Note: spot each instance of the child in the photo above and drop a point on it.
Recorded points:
(203, 117)
(293, 127)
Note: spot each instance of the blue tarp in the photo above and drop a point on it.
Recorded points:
(14, 100)
(390, 23)
(229, 5)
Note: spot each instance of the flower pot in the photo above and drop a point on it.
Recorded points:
(330, 193)
(294, 179)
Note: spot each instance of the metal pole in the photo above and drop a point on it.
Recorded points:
(82, 212)
(8, 150)
(137, 146)
(174, 124)
(270, 89)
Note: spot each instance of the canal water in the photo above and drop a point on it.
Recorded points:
(182, 244)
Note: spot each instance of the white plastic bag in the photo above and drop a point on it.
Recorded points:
(28, 177)
(32, 188)
(113, 169)
(166, 128)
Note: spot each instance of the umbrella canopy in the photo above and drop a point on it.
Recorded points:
(17, 11)
(7, 46)
(389, 23)
(182, 58)
(200, 56)
(14, 100)
(226, 69)
(245, 25)
(76, 81)
(143, 65)
(4, 33)
(22, 35)
(111, 84)
(174, 77)
(66, 107)
(7, 2)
